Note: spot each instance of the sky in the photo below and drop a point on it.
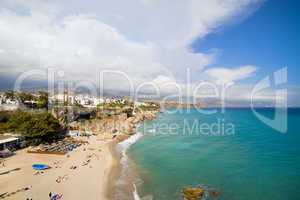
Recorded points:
(269, 38)
(154, 42)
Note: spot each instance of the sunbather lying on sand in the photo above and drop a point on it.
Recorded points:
(64, 178)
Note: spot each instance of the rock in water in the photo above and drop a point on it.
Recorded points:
(214, 193)
(192, 193)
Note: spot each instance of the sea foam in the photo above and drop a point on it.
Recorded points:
(122, 147)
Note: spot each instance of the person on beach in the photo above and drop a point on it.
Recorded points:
(2, 162)
(55, 197)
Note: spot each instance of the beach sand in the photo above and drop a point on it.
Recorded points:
(91, 181)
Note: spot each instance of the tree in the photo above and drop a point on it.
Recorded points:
(24, 96)
(43, 124)
(34, 125)
(4, 116)
(42, 101)
(19, 121)
(10, 95)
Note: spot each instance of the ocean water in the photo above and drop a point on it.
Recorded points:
(234, 153)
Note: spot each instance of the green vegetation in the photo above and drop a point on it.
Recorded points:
(40, 125)
(114, 105)
(149, 107)
(42, 100)
(10, 95)
(4, 117)
(129, 111)
(24, 96)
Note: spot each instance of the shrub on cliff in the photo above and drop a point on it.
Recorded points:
(34, 125)
(4, 116)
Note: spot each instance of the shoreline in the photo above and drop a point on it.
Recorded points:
(114, 172)
(124, 172)
(96, 179)
(115, 189)
(90, 181)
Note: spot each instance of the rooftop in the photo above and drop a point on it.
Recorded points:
(7, 138)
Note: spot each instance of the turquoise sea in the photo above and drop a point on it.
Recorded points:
(251, 162)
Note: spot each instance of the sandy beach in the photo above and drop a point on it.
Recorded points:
(89, 180)
(88, 172)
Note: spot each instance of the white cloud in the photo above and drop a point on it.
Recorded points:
(225, 75)
(145, 39)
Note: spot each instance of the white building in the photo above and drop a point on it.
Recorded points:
(97, 101)
(8, 142)
(73, 133)
(8, 104)
(84, 100)
(1, 99)
(12, 102)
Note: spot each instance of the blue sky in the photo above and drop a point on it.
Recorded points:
(220, 41)
(269, 39)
